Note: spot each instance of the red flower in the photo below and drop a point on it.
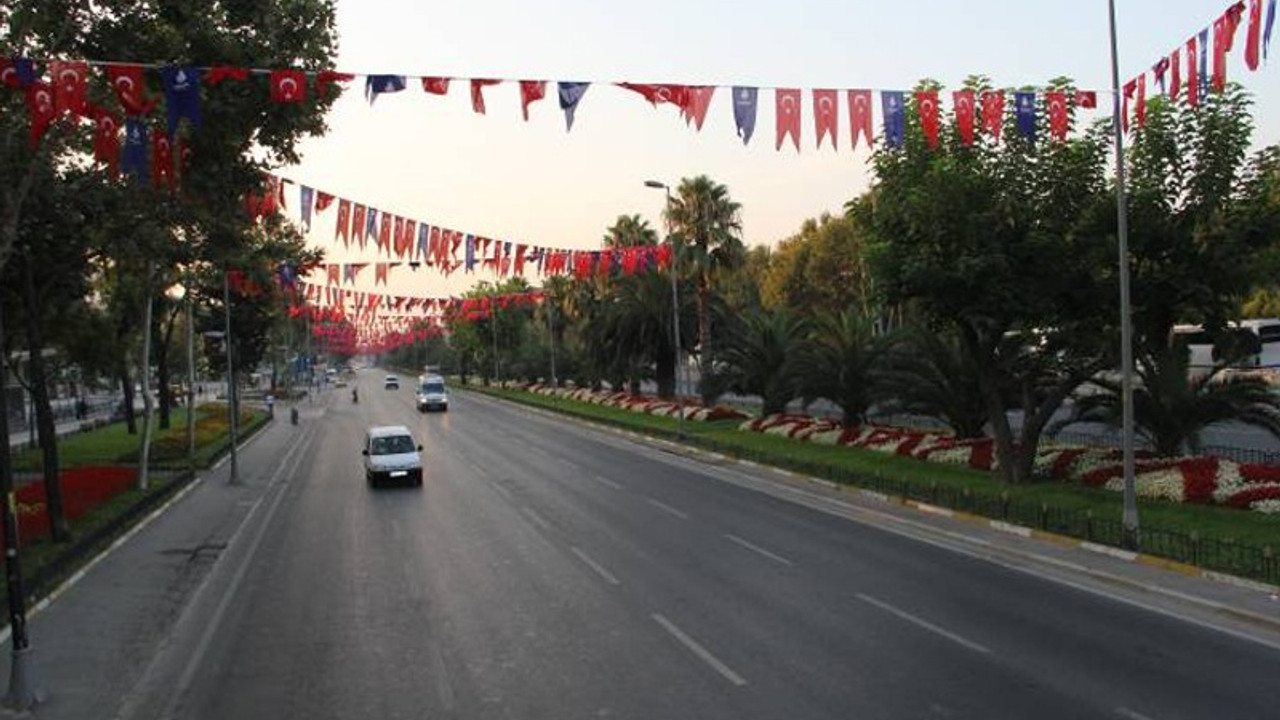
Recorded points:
(1199, 479)
(1245, 498)
(1258, 473)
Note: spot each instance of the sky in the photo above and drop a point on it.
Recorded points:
(433, 159)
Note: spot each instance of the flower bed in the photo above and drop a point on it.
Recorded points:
(1202, 480)
(83, 489)
(641, 404)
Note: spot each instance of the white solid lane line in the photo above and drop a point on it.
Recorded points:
(703, 654)
(607, 482)
(536, 518)
(1125, 712)
(757, 549)
(668, 509)
(597, 567)
(924, 624)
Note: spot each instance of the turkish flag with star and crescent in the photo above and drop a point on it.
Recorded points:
(70, 86)
(788, 115)
(826, 116)
(1059, 119)
(106, 138)
(531, 91)
(41, 109)
(927, 106)
(860, 121)
(288, 86)
(699, 100)
(130, 88)
(962, 100)
(992, 112)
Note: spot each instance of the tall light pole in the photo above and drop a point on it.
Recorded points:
(675, 302)
(233, 405)
(1126, 322)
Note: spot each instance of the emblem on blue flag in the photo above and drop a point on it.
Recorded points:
(1025, 104)
(744, 111)
(181, 96)
(570, 95)
(894, 119)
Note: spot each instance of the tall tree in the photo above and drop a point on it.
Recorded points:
(990, 238)
(822, 268)
(708, 224)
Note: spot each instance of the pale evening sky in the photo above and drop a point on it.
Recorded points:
(433, 159)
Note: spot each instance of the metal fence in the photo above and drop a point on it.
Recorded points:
(1112, 440)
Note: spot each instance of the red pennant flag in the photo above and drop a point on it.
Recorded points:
(344, 218)
(435, 85)
(358, 225)
(162, 162)
(70, 85)
(531, 91)
(826, 115)
(962, 101)
(106, 139)
(477, 97)
(41, 109)
(1140, 111)
(1059, 119)
(380, 274)
(9, 74)
(1252, 39)
(699, 101)
(788, 115)
(1218, 74)
(1193, 73)
(399, 237)
(323, 201)
(183, 153)
(1086, 99)
(219, 73)
(288, 86)
(1129, 89)
(130, 88)
(992, 112)
(327, 78)
(1175, 75)
(927, 106)
(384, 233)
(860, 116)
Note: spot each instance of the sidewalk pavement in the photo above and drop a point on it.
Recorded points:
(94, 637)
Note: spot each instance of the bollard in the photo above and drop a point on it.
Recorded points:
(293, 415)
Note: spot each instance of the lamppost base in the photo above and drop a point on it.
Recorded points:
(22, 695)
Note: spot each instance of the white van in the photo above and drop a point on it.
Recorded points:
(432, 394)
(391, 455)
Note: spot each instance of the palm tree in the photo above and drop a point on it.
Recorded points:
(839, 361)
(1171, 408)
(635, 331)
(928, 373)
(759, 357)
(630, 231)
(708, 224)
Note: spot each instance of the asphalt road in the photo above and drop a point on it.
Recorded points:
(547, 572)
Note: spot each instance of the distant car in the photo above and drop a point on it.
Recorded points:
(391, 455)
(432, 394)
(391, 383)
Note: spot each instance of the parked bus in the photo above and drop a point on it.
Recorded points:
(1263, 353)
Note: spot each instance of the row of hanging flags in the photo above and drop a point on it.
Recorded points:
(1199, 65)
(123, 139)
(408, 241)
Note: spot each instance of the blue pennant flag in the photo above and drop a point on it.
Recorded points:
(1266, 34)
(181, 96)
(424, 240)
(1025, 104)
(375, 85)
(744, 111)
(471, 252)
(288, 275)
(1204, 64)
(371, 223)
(895, 124)
(25, 69)
(307, 195)
(133, 157)
(570, 95)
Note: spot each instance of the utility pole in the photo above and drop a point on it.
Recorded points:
(233, 406)
(1126, 319)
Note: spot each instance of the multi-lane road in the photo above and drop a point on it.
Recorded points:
(548, 571)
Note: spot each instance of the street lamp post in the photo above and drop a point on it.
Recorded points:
(233, 406)
(675, 302)
(1126, 322)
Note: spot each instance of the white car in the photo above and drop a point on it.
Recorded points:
(391, 455)
(392, 382)
(432, 394)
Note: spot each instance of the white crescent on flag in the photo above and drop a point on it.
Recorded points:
(9, 76)
(69, 77)
(44, 101)
(788, 104)
(824, 105)
(289, 88)
(124, 85)
(106, 123)
(926, 107)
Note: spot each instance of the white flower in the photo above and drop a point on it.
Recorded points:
(1269, 507)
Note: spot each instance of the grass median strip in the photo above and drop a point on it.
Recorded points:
(1219, 538)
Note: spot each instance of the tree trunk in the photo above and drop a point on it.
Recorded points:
(45, 426)
(664, 372)
(706, 360)
(126, 389)
(144, 459)
(164, 368)
(983, 356)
